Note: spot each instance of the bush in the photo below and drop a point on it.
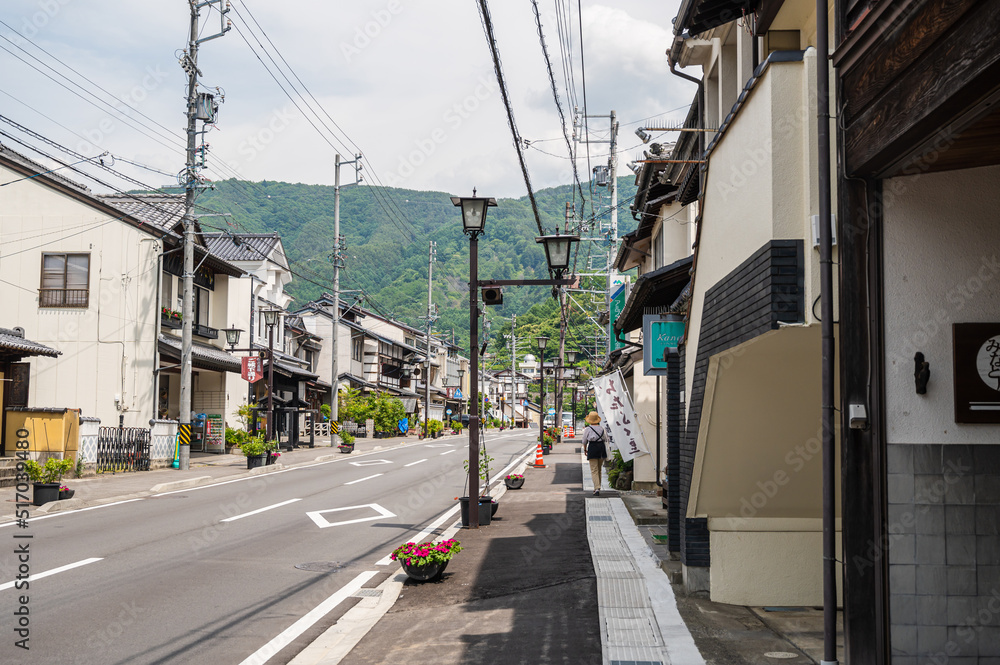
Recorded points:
(346, 439)
(618, 466)
(387, 411)
(51, 472)
(236, 437)
(324, 410)
(434, 426)
(256, 446)
(457, 425)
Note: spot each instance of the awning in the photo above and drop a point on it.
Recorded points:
(347, 376)
(203, 356)
(657, 288)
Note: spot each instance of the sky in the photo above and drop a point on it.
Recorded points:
(409, 83)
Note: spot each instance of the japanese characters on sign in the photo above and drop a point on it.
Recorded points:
(614, 405)
(976, 356)
(253, 369)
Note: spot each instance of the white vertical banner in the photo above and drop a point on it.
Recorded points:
(614, 405)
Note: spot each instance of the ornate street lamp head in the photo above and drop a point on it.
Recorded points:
(557, 251)
(233, 336)
(271, 317)
(474, 212)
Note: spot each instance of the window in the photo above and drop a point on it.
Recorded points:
(356, 346)
(65, 280)
(658, 249)
(167, 292)
(200, 306)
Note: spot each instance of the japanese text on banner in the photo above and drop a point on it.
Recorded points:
(618, 416)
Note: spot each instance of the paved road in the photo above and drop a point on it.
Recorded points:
(208, 574)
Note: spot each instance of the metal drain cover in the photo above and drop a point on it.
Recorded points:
(781, 654)
(320, 566)
(367, 593)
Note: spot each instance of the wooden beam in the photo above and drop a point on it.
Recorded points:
(900, 40)
(959, 70)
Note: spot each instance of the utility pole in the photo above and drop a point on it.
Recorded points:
(613, 251)
(513, 367)
(430, 322)
(199, 107)
(338, 263)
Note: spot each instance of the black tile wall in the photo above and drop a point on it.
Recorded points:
(765, 290)
(944, 553)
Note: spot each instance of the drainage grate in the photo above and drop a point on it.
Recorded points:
(636, 662)
(601, 518)
(784, 655)
(367, 593)
(320, 566)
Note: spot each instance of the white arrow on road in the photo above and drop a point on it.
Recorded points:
(317, 515)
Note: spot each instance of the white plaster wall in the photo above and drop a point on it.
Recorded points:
(643, 391)
(107, 349)
(942, 266)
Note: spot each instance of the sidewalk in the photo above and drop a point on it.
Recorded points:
(205, 468)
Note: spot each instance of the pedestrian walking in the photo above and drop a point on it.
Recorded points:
(595, 441)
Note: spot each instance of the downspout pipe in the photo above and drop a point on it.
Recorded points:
(672, 54)
(827, 333)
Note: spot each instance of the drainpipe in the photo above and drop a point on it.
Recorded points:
(672, 53)
(826, 293)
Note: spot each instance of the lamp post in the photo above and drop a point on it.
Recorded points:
(461, 375)
(473, 223)
(541, 340)
(270, 320)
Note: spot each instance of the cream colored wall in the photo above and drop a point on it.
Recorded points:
(107, 349)
(942, 266)
(673, 226)
(761, 185)
(760, 439)
(643, 391)
(768, 562)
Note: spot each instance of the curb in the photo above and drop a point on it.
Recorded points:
(180, 484)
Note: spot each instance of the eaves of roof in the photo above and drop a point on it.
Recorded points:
(657, 288)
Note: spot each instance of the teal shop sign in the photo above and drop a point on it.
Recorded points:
(658, 335)
(617, 305)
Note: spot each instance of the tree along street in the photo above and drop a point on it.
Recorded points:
(208, 574)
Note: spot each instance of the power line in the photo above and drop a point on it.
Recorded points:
(484, 15)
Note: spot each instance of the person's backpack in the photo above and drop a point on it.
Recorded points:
(597, 449)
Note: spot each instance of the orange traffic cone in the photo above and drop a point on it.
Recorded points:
(539, 463)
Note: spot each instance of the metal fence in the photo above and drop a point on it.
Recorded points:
(123, 449)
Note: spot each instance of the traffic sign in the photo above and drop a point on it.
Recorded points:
(448, 411)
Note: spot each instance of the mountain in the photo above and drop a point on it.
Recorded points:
(387, 231)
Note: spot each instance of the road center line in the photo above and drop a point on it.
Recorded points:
(60, 569)
(259, 510)
(454, 450)
(417, 462)
(359, 480)
(264, 654)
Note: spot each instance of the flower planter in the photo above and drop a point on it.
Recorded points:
(424, 573)
(44, 493)
(347, 449)
(256, 461)
(546, 449)
(66, 494)
(271, 459)
(485, 510)
(494, 505)
(514, 483)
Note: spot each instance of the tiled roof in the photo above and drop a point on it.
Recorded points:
(12, 342)
(203, 356)
(244, 246)
(164, 211)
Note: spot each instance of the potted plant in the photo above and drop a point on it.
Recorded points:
(456, 426)
(65, 492)
(484, 476)
(272, 456)
(256, 451)
(426, 561)
(434, 427)
(514, 481)
(346, 443)
(547, 442)
(47, 478)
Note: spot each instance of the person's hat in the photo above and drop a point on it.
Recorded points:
(592, 418)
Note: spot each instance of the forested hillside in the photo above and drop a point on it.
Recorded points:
(386, 256)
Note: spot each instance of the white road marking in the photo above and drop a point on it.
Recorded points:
(60, 569)
(371, 462)
(260, 510)
(440, 445)
(415, 463)
(317, 515)
(69, 512)
(264, 654)
(359, 480)
(449, 451)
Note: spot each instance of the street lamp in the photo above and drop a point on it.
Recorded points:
(557, 250)
(270, 320)
(233, 337)
(541, 341)
(474, 211)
